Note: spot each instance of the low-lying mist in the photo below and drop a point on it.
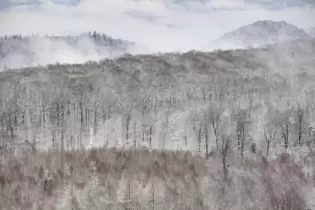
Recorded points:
(19, 52)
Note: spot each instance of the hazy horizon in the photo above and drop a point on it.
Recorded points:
(163, 25)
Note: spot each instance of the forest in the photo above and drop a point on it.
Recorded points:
(227, 129)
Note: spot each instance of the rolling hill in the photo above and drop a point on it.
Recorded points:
(259, 33)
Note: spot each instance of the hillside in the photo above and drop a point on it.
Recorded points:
(259, 33)
(145, 90)
(17, 51)
(166, 131)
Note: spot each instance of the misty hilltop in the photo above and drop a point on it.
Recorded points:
(259, 33)
(17, 51)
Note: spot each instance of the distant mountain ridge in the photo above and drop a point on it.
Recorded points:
(17, 51)
(260, 33)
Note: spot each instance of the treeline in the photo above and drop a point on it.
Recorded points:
(94, 35)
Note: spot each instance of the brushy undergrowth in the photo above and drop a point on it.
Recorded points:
(133, 179)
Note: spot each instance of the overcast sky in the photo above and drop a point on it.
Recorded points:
(160, 24)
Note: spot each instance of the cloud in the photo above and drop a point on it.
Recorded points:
(282, 3)
(4, 4)
(228, 4)
(163, 25)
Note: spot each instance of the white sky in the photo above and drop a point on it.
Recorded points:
(160, 24)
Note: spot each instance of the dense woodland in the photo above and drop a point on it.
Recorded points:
(245, 117)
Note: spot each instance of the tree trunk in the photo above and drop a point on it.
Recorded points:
(135, 135)
(150, 136)
(300, 132)
(153, 196)
(95, 120)
(199, 139)
(241, 137)
(216, 135)
(268, 147)
(81, 112)
(58, 115)
(313, 167)
(127, 126)
(206, 137)
(224, 159)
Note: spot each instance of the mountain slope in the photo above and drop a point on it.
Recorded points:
(157, 89)
(222, 105)
(259, 33)
(17, 51)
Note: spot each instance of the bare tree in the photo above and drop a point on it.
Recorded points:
(153, 196)
(215, 116)
(251, 99)
(127, 116)
(285, 127)
(270, 133)
(151, 124)
(300, 122)
(240, 130)
(197, 125)
(224, 155)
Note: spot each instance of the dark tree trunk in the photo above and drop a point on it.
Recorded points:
(128, 118)
(199, 139)
(206, 137)
(58, 115)
(150, 136)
